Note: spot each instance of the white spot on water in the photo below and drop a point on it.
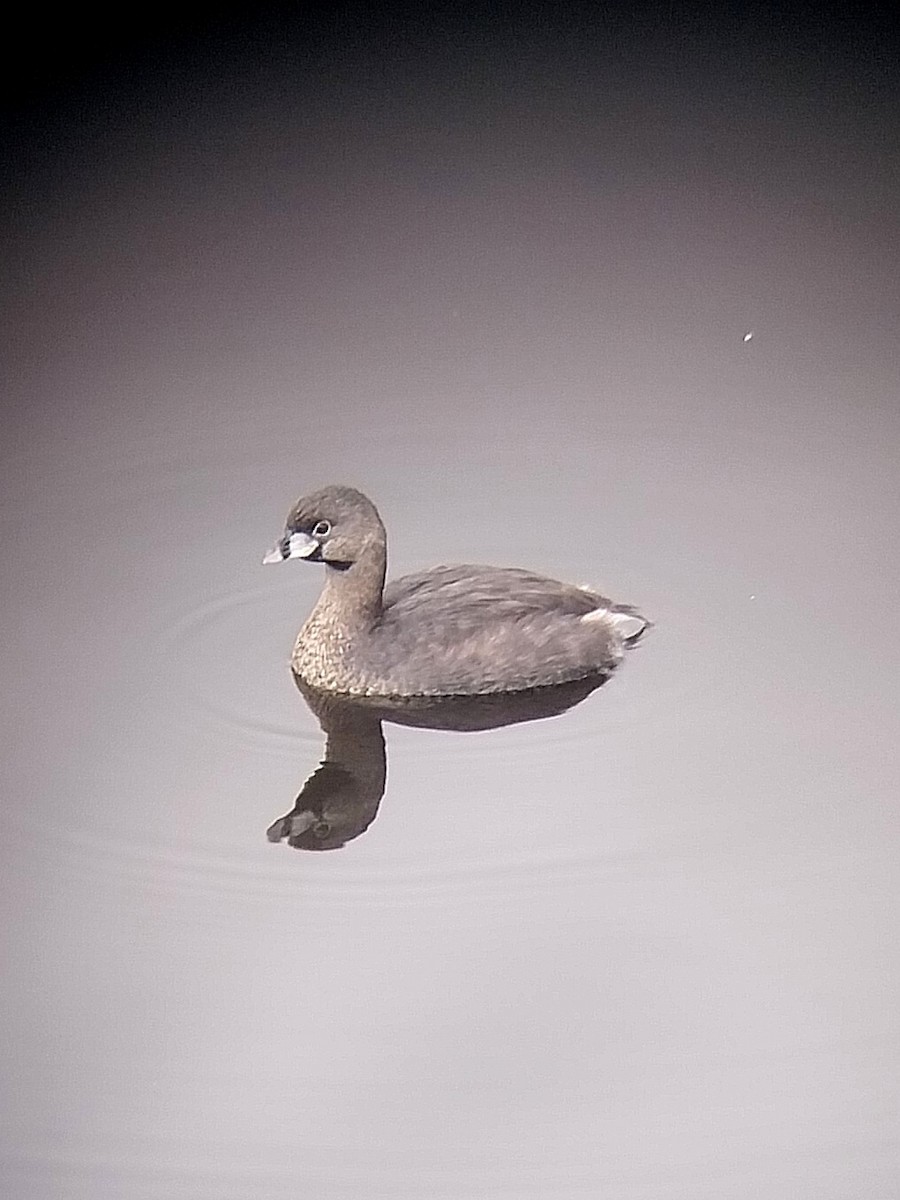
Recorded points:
(748, 336)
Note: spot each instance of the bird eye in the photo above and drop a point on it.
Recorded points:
(321, 529)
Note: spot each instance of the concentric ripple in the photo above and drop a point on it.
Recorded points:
(228, 659)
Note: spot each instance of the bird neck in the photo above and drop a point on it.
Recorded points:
(356, 590)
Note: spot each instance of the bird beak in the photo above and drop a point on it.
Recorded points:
(292, 545)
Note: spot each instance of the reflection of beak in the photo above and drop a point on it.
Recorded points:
(291, 826)
(292, 545)
(295, 826)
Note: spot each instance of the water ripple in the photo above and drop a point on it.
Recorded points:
(222, 657)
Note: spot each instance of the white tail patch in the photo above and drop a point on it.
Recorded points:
(597, 614)
(626, 625)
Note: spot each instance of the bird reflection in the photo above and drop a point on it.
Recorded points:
(340, 799)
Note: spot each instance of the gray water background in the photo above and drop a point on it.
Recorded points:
(646, 949)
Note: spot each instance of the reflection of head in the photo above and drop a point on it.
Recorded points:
(340, 799)
(331, 810)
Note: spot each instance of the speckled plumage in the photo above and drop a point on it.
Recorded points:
(453, 630)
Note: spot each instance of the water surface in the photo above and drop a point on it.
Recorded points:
(646, 948)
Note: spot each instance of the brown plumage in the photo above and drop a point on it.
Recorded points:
(462, 630)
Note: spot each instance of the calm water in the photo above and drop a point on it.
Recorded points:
(645, 949)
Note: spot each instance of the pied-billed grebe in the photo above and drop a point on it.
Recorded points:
(450, 631)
